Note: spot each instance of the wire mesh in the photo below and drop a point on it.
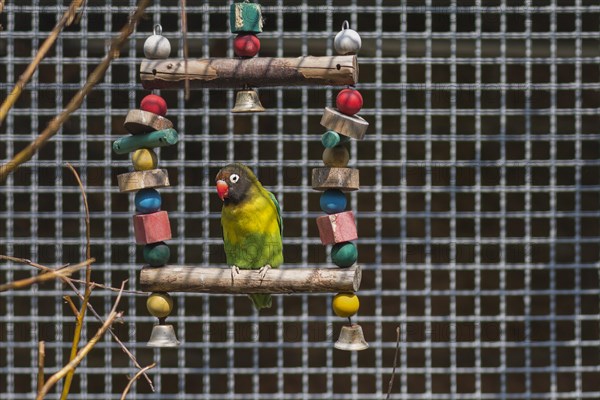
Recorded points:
(477, 214)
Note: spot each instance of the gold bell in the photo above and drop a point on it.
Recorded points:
(163, 336)
(351, 339)
(247, 101)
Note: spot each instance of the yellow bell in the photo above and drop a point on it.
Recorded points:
(247, 101)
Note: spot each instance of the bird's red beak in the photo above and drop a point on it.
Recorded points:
(222, 189)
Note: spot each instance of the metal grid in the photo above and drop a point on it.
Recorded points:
(478, 210)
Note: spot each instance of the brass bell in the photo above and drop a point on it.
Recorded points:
(247, 101)
(163, 336)
(351, 339)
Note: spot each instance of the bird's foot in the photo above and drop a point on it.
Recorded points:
(234, 271)
(263, 271)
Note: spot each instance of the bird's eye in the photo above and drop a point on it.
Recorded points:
(234, 178)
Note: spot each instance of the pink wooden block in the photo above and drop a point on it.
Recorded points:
(152, 228)
(337, 228)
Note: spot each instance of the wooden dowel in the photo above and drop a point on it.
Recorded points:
(172, 278)
(252, 72)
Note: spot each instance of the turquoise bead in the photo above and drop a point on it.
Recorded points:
(157, 254)
(344, 254)
(333, 201)
(330, 139)
(147, 201)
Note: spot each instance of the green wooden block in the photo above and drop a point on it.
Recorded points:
(128, 144)
(245, 17)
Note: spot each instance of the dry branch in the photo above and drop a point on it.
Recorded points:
(66, 20)
(253, 72)
(135, 378)
(171, 278)
(54, 274)
(41, 358)
(95, 77)
(391, 383)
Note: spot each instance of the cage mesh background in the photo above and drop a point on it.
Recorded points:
(477, 214)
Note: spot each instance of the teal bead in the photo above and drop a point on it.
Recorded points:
(147, 201)
(344, 254)
(157, 254)
(333, 201)
(330, 139)
(245, 17)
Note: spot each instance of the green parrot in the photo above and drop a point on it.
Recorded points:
(252, 225)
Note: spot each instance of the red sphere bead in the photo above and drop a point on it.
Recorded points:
(246, 45)
(154, 104)
(349, 101)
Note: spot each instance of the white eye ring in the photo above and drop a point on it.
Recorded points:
(234, 178)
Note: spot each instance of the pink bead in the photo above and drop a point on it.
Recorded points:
(349, 101)
(154, 104)
(152, 228)
(337, 228)
(246, 45)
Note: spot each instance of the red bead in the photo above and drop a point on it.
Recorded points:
(349, 101)
(154, 104)
(246, 45)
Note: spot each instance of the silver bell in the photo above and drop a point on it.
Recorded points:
(351, 339)
(163, 336)
(247, 101)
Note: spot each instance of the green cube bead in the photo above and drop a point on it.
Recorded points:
(245, 17)
(157, 254)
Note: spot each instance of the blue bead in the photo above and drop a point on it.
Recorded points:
(147, 201)
(333, 201)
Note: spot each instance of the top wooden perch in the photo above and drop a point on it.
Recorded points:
(251, 72)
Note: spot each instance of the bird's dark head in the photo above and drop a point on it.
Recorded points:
(233, 183)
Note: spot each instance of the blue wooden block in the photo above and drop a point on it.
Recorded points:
(147, 201)
(333, 201)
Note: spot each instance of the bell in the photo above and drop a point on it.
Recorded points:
(351, 339)
(163, 336)
(247, 101)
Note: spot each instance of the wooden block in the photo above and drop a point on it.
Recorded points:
(132, 181)
(131, 143)
(140, 121)
(345, 179)
(337, 228)
(348, 125)
(152, 228)
(245, 17)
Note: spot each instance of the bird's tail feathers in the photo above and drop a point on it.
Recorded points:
(261, 301)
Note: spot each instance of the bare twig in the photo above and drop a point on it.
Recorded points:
(95, 77)
(395, 363)
(72, 305)
(54, 274)
(66, 20)
(185, 48)
(41, 358)
(84, 350)
(135, 378)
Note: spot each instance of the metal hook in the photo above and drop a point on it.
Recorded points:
(345, 25)
(157, 29)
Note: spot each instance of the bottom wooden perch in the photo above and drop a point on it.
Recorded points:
(171, 278)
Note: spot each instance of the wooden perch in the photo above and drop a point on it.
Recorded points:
(252, 72)
(171, 278)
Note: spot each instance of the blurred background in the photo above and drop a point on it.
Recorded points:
(477, 214)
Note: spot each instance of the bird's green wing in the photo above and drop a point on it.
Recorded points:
(279, 219)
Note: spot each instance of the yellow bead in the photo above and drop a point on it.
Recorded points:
(337, 157)
(345, 304)
(159, 305)
(144, 159)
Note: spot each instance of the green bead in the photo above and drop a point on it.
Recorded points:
(344, 254)
(245, 17)
(330, 139)
(157, 254)
(129, 144)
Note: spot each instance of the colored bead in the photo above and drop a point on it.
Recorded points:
(348, 125)
(144, 159)
(140, 121)
(155, 104)
(157, 254)
(349, 101)
(131, 143)
(147, 201)
(331, 139)
(337, 228)
(344, 179)
(246, 45)
(347, 41)
(157, 46)
(159, 305)
(245, 17)
(333, 201)
(336, 157)
(132, 181)
(344, 254)
(151, 228)
(345, 304)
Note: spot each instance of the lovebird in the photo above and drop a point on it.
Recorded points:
(252, 225)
